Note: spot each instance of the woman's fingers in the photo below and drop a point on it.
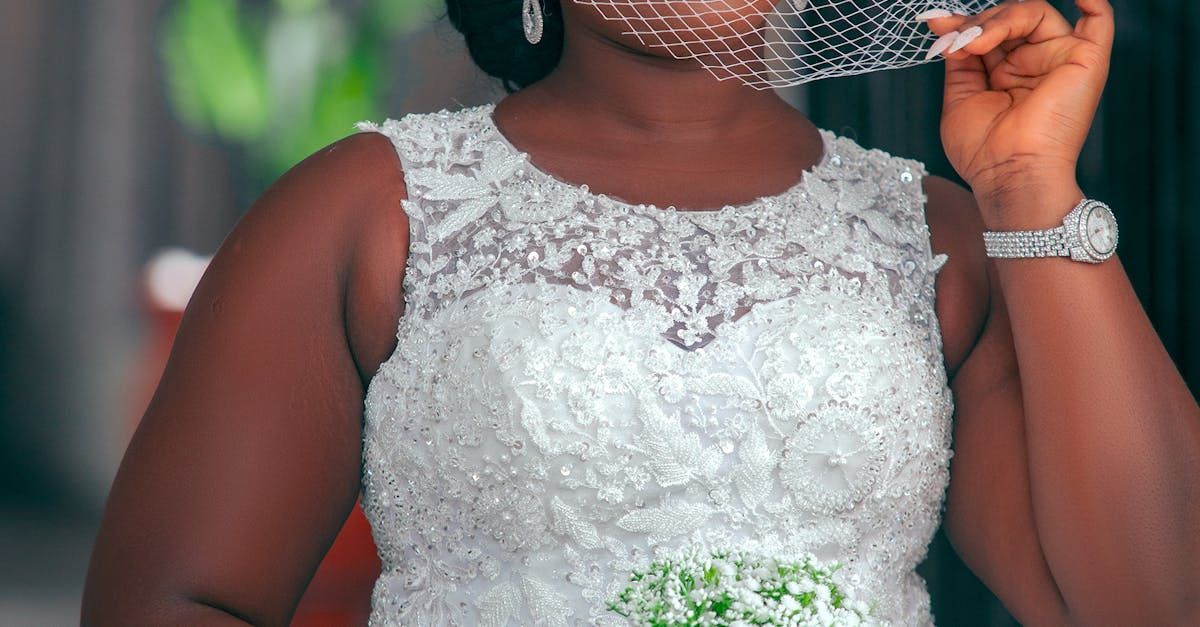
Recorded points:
(1013, 45)
(993, 58)
(942, 44)
(964, 79)
(1031, 22)
(1096, 24)
(1007, 26)
(941, 21)
(950, 25)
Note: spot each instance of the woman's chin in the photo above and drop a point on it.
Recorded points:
(681, 29)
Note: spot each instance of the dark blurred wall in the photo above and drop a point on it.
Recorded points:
(95, 175)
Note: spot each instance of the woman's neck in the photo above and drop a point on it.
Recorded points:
(663, 131)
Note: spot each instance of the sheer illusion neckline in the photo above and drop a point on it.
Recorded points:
(582, 189)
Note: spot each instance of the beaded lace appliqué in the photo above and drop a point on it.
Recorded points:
(581, 383)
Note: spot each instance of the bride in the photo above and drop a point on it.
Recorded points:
(643, 309)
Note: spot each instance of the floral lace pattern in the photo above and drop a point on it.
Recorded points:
(582, 384)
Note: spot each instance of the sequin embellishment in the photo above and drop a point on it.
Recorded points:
(581, 384)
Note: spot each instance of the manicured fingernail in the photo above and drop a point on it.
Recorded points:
(943, 42)
(933, 14)
(967, 36)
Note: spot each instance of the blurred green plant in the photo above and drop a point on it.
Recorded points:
(282, 78)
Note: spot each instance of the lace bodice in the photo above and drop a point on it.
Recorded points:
(583, 384)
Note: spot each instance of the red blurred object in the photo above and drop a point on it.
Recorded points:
(340, 591)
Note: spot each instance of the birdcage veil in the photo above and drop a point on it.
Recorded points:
(768, 43)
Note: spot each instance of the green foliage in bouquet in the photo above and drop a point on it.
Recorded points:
(283, 78)
(731, 588)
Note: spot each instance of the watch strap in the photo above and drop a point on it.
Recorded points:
(1023, 244)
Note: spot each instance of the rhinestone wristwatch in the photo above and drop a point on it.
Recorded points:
(1088, 233)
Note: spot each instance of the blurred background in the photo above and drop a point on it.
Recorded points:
(134, 133)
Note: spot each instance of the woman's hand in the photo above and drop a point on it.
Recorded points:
(1022, 88)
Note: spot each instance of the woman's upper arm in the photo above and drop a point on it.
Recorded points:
(989, 511)
(246, 462)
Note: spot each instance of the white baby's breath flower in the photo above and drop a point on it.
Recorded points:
(733, 587)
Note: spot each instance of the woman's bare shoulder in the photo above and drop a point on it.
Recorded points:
(374, 295)
(348, 195)
(956, 228)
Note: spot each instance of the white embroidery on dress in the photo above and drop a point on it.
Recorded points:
(582, 383)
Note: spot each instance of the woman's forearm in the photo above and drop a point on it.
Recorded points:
(1113, 432)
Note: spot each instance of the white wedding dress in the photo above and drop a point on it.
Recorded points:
(583, 384)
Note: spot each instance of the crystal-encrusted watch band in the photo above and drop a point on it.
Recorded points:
(1021, 244)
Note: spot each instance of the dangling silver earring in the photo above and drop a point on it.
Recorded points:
(531, 18)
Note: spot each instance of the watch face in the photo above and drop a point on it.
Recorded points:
(1100, 229)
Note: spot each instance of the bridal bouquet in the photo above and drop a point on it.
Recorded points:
(736, 588)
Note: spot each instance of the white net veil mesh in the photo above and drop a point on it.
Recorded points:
(778, 43)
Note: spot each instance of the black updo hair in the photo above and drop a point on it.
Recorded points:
(496, 39)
